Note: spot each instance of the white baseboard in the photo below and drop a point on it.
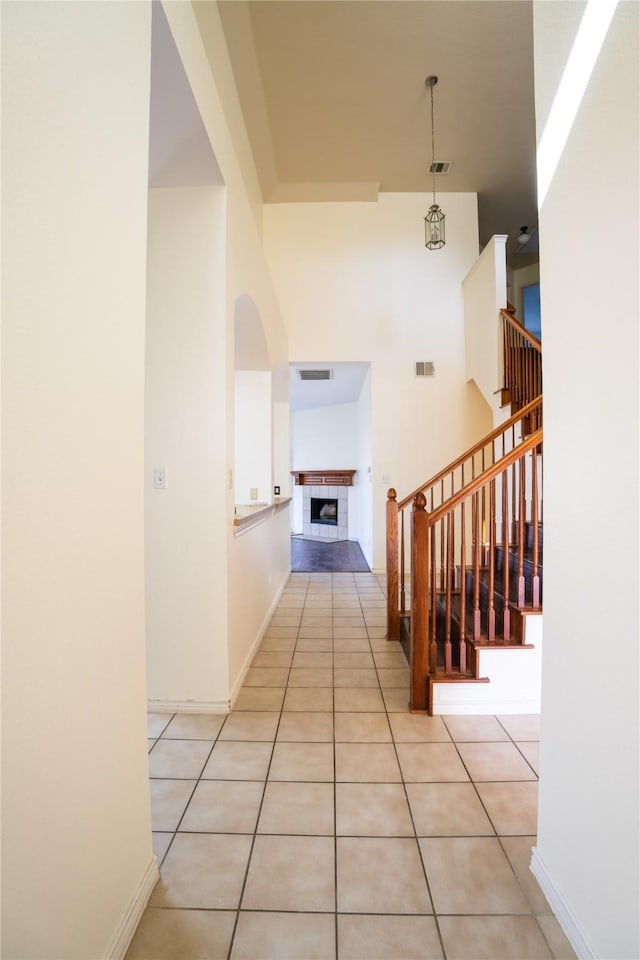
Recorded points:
(570, 926)
(129, 923)
(458, 707)
(188, 706)
(235, 691)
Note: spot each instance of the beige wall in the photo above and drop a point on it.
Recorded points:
(76, 843)
(186, 422)
(259, 565)
(254, 565)
(484, 290)
(362, 286)
(588, 838)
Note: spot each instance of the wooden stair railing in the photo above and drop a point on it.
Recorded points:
(471, 464)
(466, 595)
(522, 366)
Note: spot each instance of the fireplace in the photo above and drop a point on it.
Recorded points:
(324, 510)
(325, 502)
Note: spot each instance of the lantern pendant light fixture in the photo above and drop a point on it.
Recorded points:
(434, 220)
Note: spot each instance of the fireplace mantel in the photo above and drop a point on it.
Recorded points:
(319, 478)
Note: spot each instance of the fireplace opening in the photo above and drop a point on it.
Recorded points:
(324, 510)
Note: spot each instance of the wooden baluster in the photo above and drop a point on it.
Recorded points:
(514, 368)
(419, 605)
(521, 384)
(433, 624)
(491, 612)
(535, 583)
(505, 354)
(447, 613)
(463, 589)
(476, 573)
(506, 629)
(393, 617)
(483, 533)
(403, 598)
(521, 536)
(514, 507)
(518, 340)
(539, 387)
(442, 553)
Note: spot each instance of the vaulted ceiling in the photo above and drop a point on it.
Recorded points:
(334, 99)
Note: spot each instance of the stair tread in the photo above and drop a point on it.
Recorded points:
(454, 676)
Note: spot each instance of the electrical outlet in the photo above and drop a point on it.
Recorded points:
(276, 491)
(253, 495)
(160, 478)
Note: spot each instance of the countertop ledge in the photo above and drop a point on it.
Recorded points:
(248, 515)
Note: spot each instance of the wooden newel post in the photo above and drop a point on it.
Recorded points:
(393, 615)
(419, 605)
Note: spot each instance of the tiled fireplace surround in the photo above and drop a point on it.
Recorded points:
(326, 531)
(325, 485)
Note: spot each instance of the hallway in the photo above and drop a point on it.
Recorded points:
(320, 820)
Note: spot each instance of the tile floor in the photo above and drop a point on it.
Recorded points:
(327, 556)
(321, 820)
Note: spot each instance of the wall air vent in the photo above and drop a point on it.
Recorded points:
(315, 374)
(440, 166)
(425, 368)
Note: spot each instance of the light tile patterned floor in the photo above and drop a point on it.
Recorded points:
(321, 820)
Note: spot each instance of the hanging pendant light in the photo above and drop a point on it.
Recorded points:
(434, 221)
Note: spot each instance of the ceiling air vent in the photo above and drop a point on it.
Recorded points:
(440, 166)
(315, 374)
(425, 368)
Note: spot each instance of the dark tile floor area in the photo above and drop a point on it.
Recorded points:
(333, 556)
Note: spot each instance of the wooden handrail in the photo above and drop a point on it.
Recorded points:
(472, 451)
(532, 441)
(522, 330)
(465, 593)
(476, 538)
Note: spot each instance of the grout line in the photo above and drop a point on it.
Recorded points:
(364, 599)
(264, 790)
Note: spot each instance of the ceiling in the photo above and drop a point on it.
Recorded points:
(334, 98)
(344, 385)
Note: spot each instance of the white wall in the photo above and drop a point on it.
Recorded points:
(336, 437)
(364, 279)
(281, 440)
(363, 480)
(588, 839)
(485, 294)
(324, 437)
(259, 566)
(255, 562)
(253, 429)
(76, 845)
(186, 433)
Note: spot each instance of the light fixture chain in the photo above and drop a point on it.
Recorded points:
(433, 146)
(434, 220)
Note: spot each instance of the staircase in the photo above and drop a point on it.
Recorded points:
(464, 555)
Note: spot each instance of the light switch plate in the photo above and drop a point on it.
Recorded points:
(160, 478)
